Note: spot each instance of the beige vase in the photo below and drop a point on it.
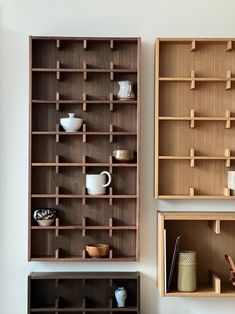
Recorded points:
(187, 271)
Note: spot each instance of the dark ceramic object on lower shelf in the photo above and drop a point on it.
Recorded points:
(44, 216)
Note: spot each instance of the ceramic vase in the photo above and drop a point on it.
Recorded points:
(120, 295)
(125, 90)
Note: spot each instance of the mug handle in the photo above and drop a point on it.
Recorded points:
(109, 178)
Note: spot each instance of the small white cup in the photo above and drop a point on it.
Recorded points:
(231, 181)
(95, 183)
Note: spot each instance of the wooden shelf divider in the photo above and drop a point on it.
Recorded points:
(57, 192)
(192, 116)
(84, 198)
(192, 79)
(110, 226)
(84, 133)
(84, 164)
(57, 136)
(214, 225)
(84, 226)
(84, 98)
(111, 71)
(57, 97)
(84, 70)
(111, 133)
(228, 116)
(228, 83)
(192, 163)
(58, 44)
(110, 196)
(227, 154)
(57, 224)
(229, 46)
(191, 192)
(111, 102)
(193, 46)
(85, 44)
(57, 160)
(58, 70)
(226, 191)
(111, 44)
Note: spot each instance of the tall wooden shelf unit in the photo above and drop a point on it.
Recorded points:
(81, 293)
(194, 118)
(212, 236)
(80, 75)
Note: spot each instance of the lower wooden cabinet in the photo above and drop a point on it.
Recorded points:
(82, 292)
(211, 235)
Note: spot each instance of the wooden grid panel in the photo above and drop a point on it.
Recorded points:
(194, 118)
(80, 75)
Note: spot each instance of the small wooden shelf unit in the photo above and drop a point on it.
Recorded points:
(80, 75)
(194, 118)
(81, 293)
(212, 236)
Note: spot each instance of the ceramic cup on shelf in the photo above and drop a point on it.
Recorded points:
(71, 123)
(231, 182)
(44, 216)
(121, 295)
(96, 183)
(125, 90)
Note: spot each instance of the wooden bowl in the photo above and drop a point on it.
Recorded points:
(97, 250)
(123, 155)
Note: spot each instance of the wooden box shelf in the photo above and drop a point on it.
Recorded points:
(194, 118)
(82, 292)
(212, 236)
(80, 75)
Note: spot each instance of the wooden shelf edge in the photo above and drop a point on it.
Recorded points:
(202, 197)
(80, 259)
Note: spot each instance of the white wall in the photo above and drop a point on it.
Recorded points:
(148, 19)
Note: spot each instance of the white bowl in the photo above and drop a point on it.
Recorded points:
(71, 124)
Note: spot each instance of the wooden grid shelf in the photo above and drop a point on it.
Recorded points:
(80, 75)
(194, 122)
(214, 238)
(82, 292)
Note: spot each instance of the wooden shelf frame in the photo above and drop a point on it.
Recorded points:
(92, 66)
(101, 284)
(221, 226)
(193, 119)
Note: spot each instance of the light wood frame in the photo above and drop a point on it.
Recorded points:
(212, 236)
(194, 117)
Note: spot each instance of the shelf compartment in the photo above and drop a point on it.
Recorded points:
(208, 178)
(82, 292)
(216, 235)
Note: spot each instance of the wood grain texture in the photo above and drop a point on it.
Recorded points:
(194, 110)
(82, 292)
(80, 75)
(211, 235)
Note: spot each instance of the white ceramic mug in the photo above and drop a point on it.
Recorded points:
(95, 183)
(231, 181)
